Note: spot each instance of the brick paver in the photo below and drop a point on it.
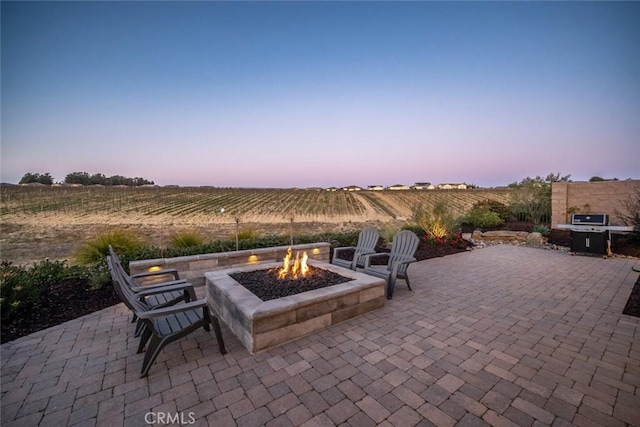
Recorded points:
(501, 336)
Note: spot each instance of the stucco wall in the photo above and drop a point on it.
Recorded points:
(603, 197)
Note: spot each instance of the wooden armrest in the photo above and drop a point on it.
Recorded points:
(164, 289)
(178, 308)
(160, 285)
(368, 257)
(407, 260)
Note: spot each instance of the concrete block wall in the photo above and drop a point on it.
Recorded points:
(602, 197)
(193, 268)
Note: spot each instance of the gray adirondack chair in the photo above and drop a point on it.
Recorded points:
(170, 293)
(367, 241)
(164, 325)
(403, 249)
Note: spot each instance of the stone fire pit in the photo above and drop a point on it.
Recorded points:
(260, 325)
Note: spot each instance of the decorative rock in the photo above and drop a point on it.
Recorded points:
(535, 239)
(477, 235)
(505, 235)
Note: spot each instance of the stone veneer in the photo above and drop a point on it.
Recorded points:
(194, 267)
(260, 325)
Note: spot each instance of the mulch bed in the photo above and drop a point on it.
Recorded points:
(70, 299)
(59, 302)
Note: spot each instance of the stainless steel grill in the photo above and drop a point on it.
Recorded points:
(591, 233)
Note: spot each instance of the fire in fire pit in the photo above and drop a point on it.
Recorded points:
(299, 268)
(292, 278)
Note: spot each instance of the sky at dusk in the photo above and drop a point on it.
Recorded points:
(299, 94)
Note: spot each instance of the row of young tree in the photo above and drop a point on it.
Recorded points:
(85, 179)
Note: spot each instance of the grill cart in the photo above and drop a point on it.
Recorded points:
(591, 233)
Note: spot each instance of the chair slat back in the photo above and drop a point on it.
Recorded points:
(405, 244)
(123, 289)
(367, 240)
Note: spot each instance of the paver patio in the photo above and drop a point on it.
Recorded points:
(505, 335)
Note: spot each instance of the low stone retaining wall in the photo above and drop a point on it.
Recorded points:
(193, 268)
(531, 239)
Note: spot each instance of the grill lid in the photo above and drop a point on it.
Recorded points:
(590, 219)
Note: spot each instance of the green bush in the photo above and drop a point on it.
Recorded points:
(185, 239)
(481, 216)
(96, 250)
(502, 210)
(21, 285)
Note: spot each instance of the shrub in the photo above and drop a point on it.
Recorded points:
(388, 233)
(437, 221)
(630, 214)
(532, 197)
(16, 288)
(481, 216)
(96, 250)
(419, 231)
(454, 239)
(21, 285)
(246, 233)
(185, 239)
(502, 210)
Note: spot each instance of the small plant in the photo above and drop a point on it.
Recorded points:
(454, 239)
(542, 229)
(185, 239)
(96, 250)
(437, 221)
(388, 233)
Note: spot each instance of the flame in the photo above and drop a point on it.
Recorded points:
(285, 265)
(299, 267)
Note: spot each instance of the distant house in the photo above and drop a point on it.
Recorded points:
(420, 185)
(375, 187)
(452, 186)
(332, 189)
(398, 187)
(352, 188)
